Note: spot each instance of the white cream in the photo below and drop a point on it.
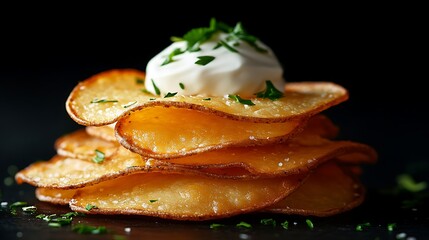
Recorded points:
(243, 73)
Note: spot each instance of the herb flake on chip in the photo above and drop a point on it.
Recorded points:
(270, 92)
(241, 100)
(99, 156)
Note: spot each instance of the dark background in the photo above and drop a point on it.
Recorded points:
(375, 51)
(371, 50)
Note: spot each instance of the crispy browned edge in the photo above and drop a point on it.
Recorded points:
(71, 111)
(290, 87)
(357, 201)
(45, 198)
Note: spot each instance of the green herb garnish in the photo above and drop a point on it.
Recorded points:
(89, 207)
(96, 100)
(144, 90)
(268, 221)
(407, 182)
(240, 33)
(241, 100)
(129, 104)
(41, 216)
(99, 156)
(153, 200)
(361, 226)
(54, 224)
(87, 229)
(204, 60)
(170, 56)
(309, 223)
(222, 43)
(244, 225)
(29, 209)
(72, 214)
(156, 88)
(270, 92)
(139, 81)
(169, 94)
(216, 225)
(391, 227)
(285, 224)
(182, 86)
(18, 204)
(207, 99)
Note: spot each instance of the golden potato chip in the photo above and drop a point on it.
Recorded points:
(299, 155)
(63, 172)
(328, 191)
(80, 145)
(182, 197)
(104, 97)
(168, 132)
(56, 196)
(321, 125)
(106, 132)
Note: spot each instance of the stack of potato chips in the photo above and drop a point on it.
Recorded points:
(199, 157)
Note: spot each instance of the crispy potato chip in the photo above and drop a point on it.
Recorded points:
(56, 196)
(182, 197)
(321, 125)
(279, 159)
(168, 132)
(106, 132)
(328, 191)
(104, 97)
(80, 145)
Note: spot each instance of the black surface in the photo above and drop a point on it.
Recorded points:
(370, 50)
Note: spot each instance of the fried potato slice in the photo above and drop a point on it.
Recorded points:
(168, 132)
(80, 145)
(328, 191)
(104, 97)
(301, 154)
(106, 132)
(182, 197)
(56, 196)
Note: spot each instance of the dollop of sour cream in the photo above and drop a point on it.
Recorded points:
(243, 72)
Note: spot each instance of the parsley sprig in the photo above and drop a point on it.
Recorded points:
(197, 36)
(270, 92)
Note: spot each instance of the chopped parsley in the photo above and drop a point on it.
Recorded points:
(195, 37)
(87, 229)
(17, 205)
(309, 223)
(222, 43)
(207, 99)
(139, 80)
(182, 86)
(144, 90)
(243, 225)
(204, 60)
(391, 227)
(360, 227)
(153, 200)
(268, 221)
(54, 224)
(156, 88)
(241, 100)
(169, 94)
(285, 224)
(216, 225)
(170, 56)
(96, 100)
(31, 209)
(270, 92)
(405, 181)
(89, 207)
(129, 104)
(99, 156)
